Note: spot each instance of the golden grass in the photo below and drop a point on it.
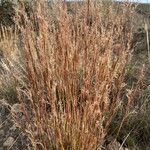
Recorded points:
(75, 66)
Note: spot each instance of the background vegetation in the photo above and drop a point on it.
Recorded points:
(73, 70)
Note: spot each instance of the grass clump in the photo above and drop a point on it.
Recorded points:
(75, 68)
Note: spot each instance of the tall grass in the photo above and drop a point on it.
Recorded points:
(147, 38)
(75, 66)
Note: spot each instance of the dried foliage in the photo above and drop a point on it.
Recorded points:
(75, 66)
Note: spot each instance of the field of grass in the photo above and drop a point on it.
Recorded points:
(76, 75)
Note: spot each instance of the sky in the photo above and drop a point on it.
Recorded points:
(140, 1)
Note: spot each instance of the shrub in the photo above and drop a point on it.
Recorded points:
(7, 13)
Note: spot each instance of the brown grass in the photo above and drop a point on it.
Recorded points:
(75, 66)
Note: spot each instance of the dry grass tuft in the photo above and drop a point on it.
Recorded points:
(75, 66)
